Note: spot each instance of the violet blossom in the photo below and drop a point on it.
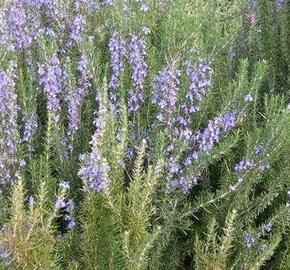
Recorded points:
(137, 53)
(51, 76)
(117, 50)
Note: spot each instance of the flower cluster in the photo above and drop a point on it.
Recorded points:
(199, 81)
(99, 121)
(266, 228)
(9, 136)
(220, 125)
(202, 141)
(50, 6)
(87, 4)
(259, 149)
(64, 206)
(165, 88)
(40, 3)
(244, 165)
(30, 128)
(137, 53)
(199, 84)
(5, 38)
(185, 182)
(74, 100)
(280, 3)
(182, 122)
(4, 255)
(84, 78)
(117, 49)
(107, 2)
(17, 21)
(179, 175)
(247, 164)
(77, 29)
(76, 96)
(135, 100)
(249, 240)
(94, 171)
(50, 78)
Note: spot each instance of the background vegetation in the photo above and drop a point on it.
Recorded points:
(144, 134)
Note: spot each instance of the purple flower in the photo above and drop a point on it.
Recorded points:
(259, 149)
(50, 4)
(52, 10)
(76, 96)
(174, 166)
(77, 29)
(249, 240)
(9, 140)
(5, 35)
(217, 127)
(94, 168)
(280, 4)
(182, 121)
(4, 254)
(117, 49)
(94, 171)
(179, 177)
(266, 228)
(67, 206)
(164, 96)
(244, 165)
(137, 53)
(199, 80)
(190, 158)
(107, 2)
(130, 153)
(51, 76)
(183, 183)
(74, 99)
(17, 21)
(85, 76)
(199, 83)
(84, 4)
(71, 224)
(99, 122)
(165, 88)
(30, 127)
(70, 206)
(60, 203)
(135, 99)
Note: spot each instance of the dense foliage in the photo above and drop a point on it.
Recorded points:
(144, 134)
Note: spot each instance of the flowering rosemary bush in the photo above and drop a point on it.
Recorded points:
(144, 134)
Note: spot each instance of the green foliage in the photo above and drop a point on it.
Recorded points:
(28, 236)
(229, 218)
